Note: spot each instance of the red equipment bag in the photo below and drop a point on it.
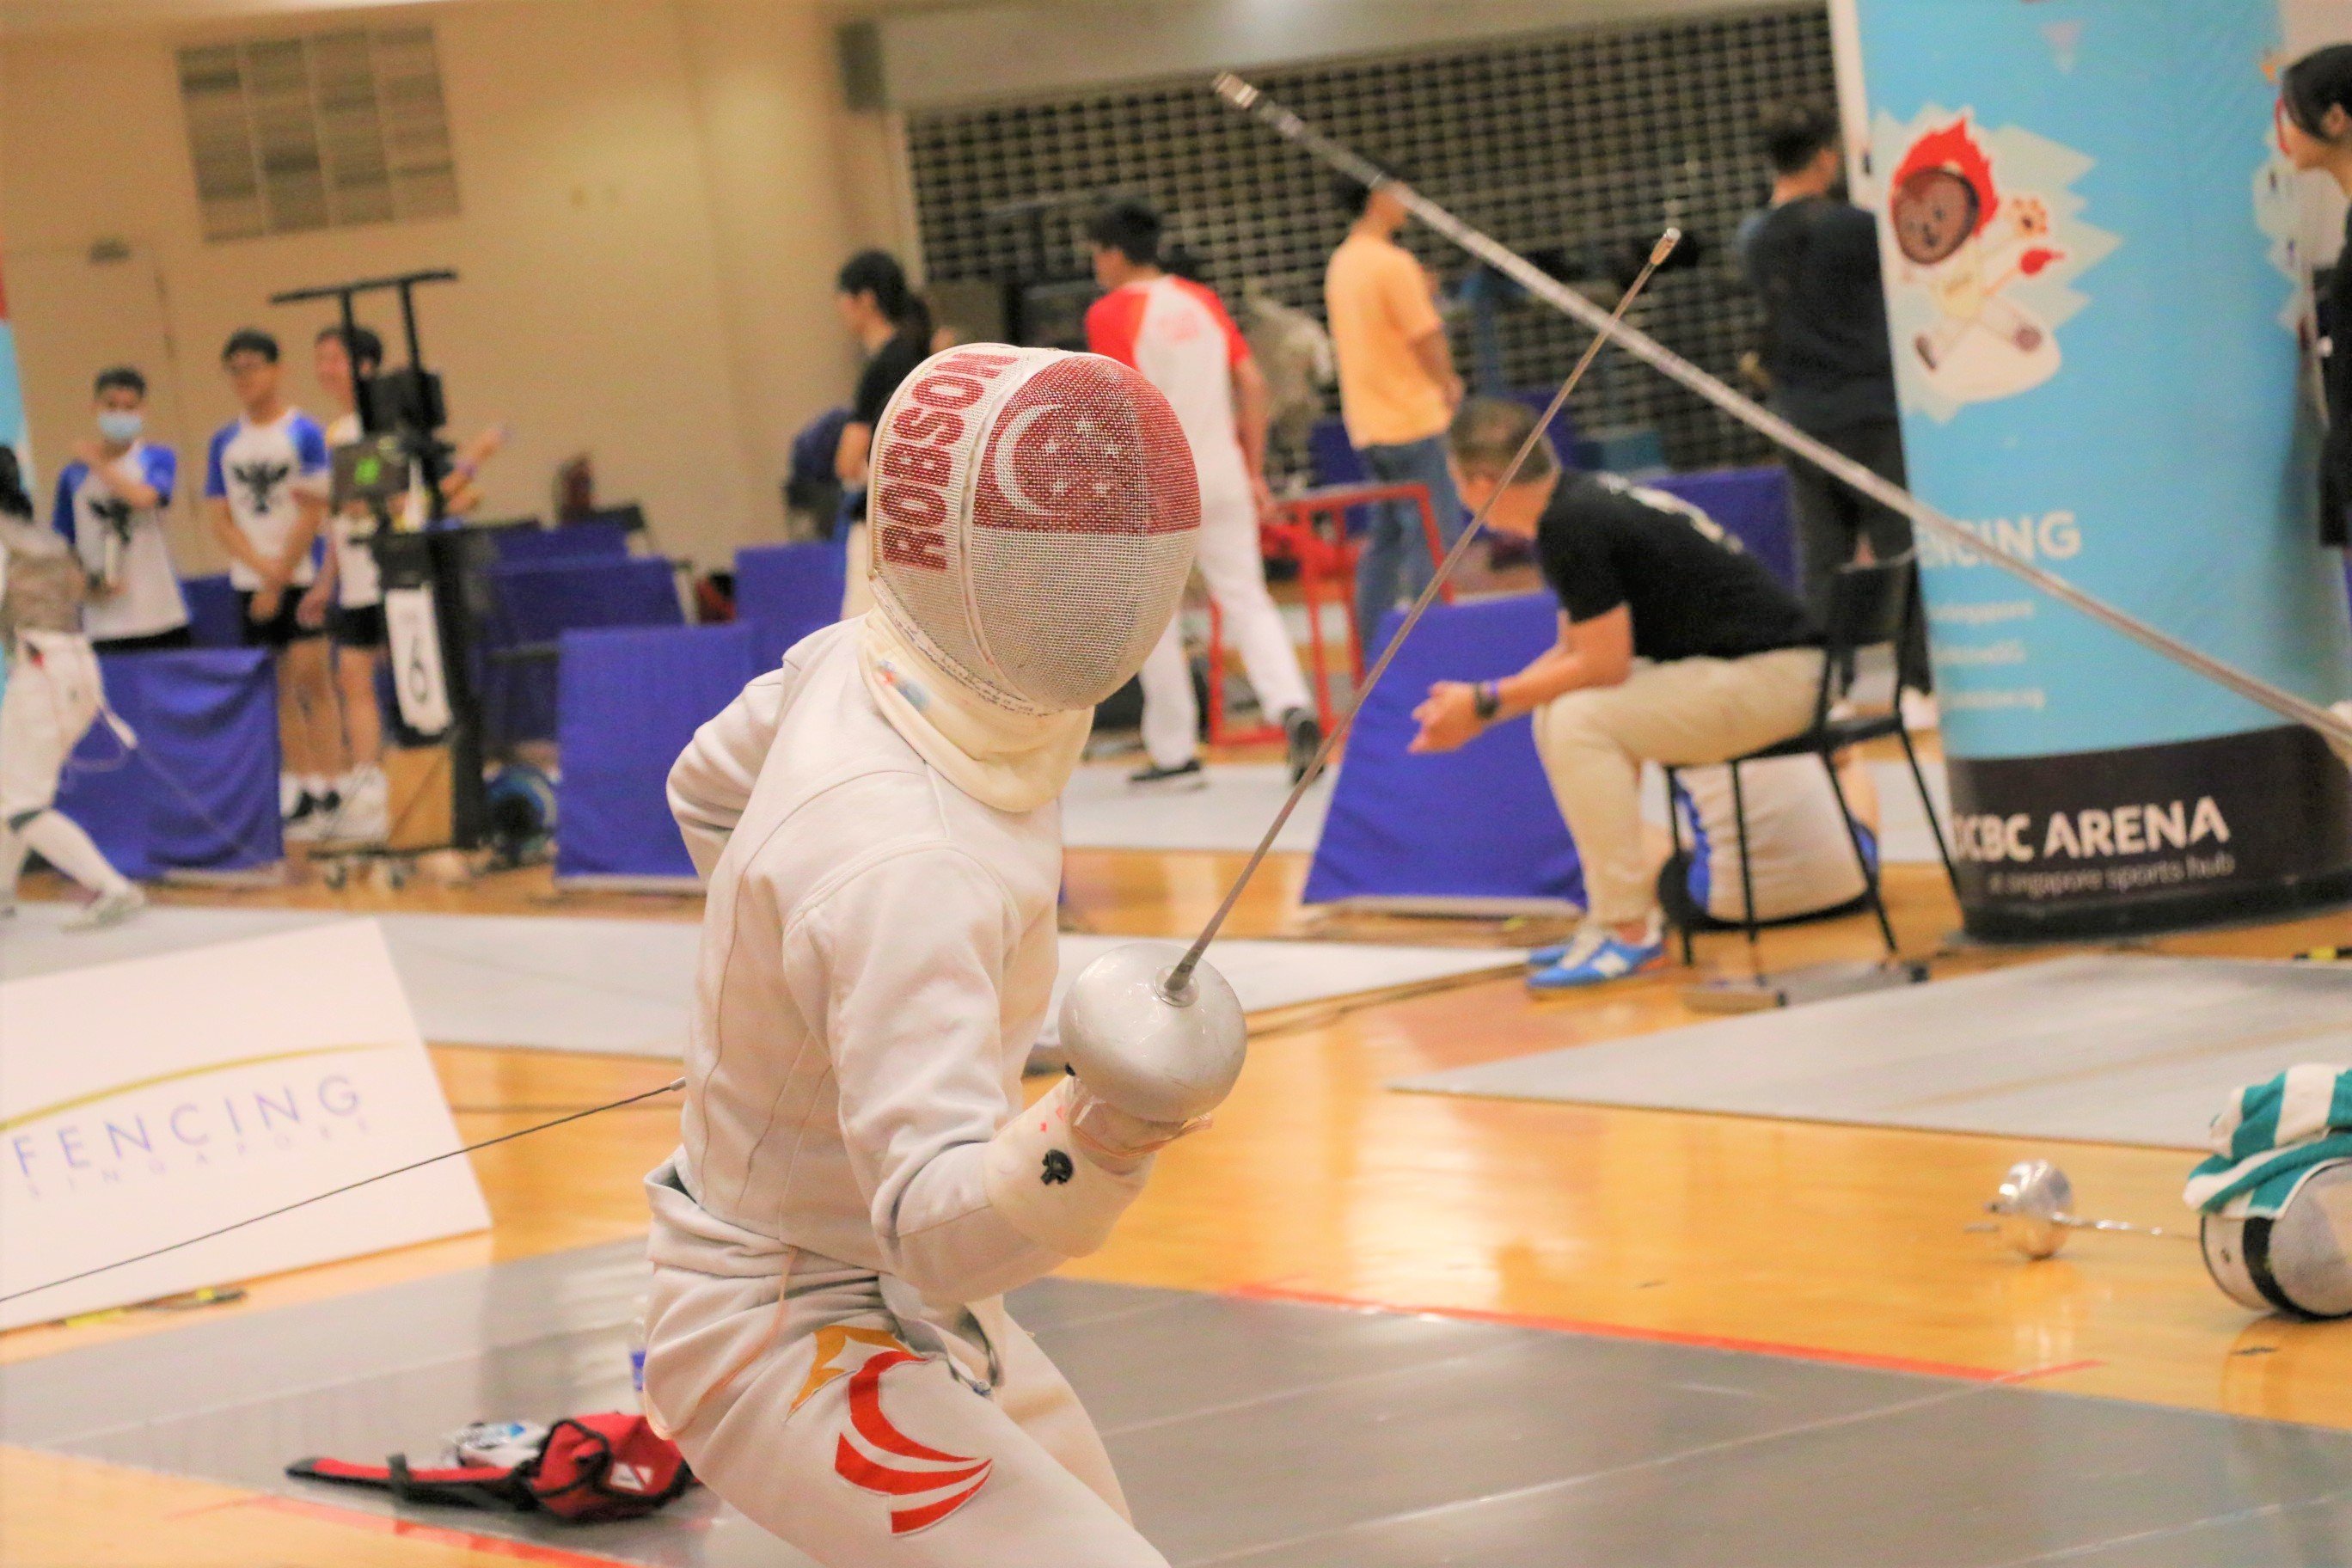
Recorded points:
(604, 1467)
(589, 1469)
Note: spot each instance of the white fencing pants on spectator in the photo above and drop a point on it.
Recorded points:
(1683, 712)
(52, 696)
(1234, 571)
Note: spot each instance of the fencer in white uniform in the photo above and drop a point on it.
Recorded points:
(857, 1182)
(53, 695)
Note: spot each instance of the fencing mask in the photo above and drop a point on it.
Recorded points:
(2297, 1261)
(1032, 518)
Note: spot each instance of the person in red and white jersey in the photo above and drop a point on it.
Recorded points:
(1177, 333)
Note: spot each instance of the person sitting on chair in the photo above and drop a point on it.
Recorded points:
(1676, 645)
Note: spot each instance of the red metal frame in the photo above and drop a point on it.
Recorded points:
(1311, 529)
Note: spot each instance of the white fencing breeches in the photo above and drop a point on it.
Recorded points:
(53, 697)
(842, 1427)
(1234, 568)
(54, 694)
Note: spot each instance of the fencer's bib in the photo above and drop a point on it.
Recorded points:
(1031, 520)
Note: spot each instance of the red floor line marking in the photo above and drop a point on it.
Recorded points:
(433, 1534)
(1668, 1336)
(2059, 1370)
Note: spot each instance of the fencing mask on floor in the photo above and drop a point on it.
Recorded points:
(2297, 1261)
(1032, 515)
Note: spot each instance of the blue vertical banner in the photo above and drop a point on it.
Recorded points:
(12, 412)
(2093, 290)
(11, 397)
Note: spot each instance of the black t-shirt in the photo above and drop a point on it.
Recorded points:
(1695, 591)
(2335, 462)
(893, 362)
(1815, 263)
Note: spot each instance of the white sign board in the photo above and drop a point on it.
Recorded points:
(413, 631)
(152, 1101)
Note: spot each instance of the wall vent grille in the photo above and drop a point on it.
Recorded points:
(322, 131)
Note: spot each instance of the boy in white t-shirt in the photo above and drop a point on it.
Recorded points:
(266, 497)
(110, 504)
(353, 580)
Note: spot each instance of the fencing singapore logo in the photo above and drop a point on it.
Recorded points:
(175, 1125)
(1987, 239)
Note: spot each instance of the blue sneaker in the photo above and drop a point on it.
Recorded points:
(1546, 957)
(1597, 959)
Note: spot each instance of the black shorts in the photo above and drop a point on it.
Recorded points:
(153, 642)
(360, 628)
(280, 629)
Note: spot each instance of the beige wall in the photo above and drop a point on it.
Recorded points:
(653, 206)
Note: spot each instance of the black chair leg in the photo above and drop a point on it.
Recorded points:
(1674, 829)
(1861, 860)
(1747, 878)
(1928, 804)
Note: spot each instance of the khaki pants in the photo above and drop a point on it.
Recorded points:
(1683, 712)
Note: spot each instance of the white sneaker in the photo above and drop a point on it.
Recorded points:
(1919, 713)
(315, 818)
(366, 816)
(109, 908)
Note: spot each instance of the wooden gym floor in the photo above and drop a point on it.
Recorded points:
(1838, 1243)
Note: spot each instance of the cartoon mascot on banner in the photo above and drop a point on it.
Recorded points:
(1966, 243)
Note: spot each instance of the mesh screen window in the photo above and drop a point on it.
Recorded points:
(1573, 143)
(318, 132)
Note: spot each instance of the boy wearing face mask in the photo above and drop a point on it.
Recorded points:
(109, 503)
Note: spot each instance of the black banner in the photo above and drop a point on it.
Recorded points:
(2150, 837)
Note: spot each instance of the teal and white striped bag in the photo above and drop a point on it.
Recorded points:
(2269, 1138)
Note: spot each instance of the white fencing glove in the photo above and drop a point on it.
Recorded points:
(1113, 1139)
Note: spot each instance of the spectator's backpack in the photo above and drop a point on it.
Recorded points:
(811, 487)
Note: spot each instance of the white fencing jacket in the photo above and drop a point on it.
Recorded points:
(877, 956)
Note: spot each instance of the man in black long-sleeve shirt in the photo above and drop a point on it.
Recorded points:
(1812, 257)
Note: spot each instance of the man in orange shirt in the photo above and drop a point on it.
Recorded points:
(1398, 393)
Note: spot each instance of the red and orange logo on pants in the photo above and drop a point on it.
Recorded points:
(923, 1484)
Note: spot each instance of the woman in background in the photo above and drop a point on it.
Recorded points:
(2316, 131)
(893, 327)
